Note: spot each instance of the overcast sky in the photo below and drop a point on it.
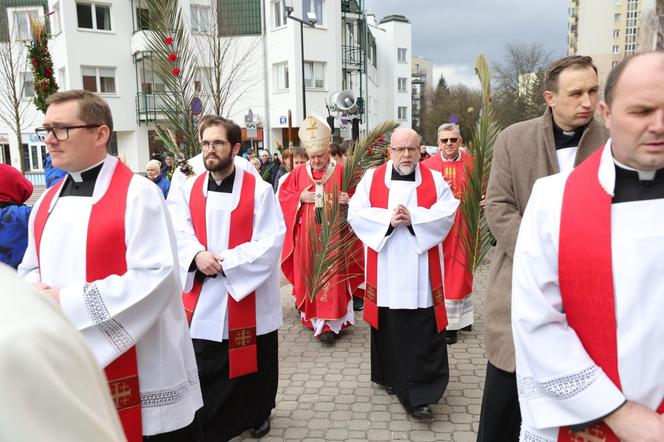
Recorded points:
(454, 33)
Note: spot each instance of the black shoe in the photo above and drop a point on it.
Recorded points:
(450, 337)
(358, 304)
(327, 337)
(261, 430)
(422, 412)
(389, 390)
(468, 328)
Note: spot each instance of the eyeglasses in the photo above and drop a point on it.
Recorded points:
(61, 133)
(215, 144)
(451, 140)
(401, 150)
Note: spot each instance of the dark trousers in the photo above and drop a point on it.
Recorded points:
(500, 418)
(190, 433)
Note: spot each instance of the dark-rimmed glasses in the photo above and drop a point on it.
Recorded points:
(451, 140)
(215, 144)
(61, 133)
(401, 150)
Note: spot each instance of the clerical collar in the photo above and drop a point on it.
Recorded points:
(565, 139)
(224, 186)
(82, 183)
(458, 157)
(396, 176)
(89, 174)
(637, 185)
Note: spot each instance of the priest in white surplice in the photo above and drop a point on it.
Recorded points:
(102, 246)
(588, 279)
(230, 232)
(402, 212)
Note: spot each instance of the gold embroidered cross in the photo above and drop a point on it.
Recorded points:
(312, 127)
(121, 393)
(242, 337)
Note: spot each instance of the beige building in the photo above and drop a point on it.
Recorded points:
(610, 30)
(422, 82)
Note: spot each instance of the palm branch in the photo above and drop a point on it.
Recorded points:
(169, 35)
(478, 239)
(331, 241)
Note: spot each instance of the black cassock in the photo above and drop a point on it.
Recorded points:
(409, 355)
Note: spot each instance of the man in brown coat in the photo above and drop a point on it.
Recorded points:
(563, 137)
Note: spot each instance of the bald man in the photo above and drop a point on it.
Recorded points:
(587, 295)
(402, 212)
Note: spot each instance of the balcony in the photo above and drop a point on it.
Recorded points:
(151, 107)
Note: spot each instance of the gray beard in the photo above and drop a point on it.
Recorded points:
(404, 170)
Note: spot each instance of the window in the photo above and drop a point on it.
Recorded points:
(401, 55)
(28, 85)
(614, 63)
(96, 79)
(93, 16)
(314, 75)
(630, 48)
(616, 17)
(403, 84)
(54, 19)
(239, 17)
(402, 112)
(21, 29)
(315, 6)
(616, 49)
(281, 76)
(616, 33)
(200, 18)
(278, 14)
(142, 19)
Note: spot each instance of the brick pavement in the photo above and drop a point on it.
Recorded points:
(325, 393)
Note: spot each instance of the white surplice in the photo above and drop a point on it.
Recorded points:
(143, 307)
(252, 266)
(52, 387)
(558, 382)
(403, 262)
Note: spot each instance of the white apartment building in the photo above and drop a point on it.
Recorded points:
(100, 45)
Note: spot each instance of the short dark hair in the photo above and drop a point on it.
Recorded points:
(571, 62)
(616, 73)
(299, 151)
(233, 131)
(92, 109)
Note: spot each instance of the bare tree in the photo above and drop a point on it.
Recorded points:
(520, 82)
(14, 110)
(224, 59)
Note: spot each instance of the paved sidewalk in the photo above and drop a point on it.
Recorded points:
(325, 392)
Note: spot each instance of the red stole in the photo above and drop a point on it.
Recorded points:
(106, 231)
(458, 277)
(426, 197)
(585, 272)
(241, 315)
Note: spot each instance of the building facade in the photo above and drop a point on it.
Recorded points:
(102, 46)
(609, 34)
(422, 83)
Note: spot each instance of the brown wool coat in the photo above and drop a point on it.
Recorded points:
(523, 153)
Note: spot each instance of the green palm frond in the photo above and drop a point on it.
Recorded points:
(331, 241)
(478, 238)
(167, 22)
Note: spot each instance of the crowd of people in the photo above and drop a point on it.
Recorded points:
(173, 282)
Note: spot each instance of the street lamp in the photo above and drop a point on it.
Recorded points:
(311, 22)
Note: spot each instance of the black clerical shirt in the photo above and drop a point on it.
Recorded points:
(83, 187)
(629, 187)
(226, 185)
(565, 139)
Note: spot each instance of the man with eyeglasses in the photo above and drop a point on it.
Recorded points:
(402, 212)
(453, 162)
(230, 232)
(102, 247)
(303, 196)
(557, 141)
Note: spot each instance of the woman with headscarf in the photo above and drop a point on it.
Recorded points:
(15, 190)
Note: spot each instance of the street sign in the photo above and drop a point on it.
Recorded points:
(454, 118)
(196, 105)
(252, 129)
(283, 119)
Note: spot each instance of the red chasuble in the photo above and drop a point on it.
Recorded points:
(585, 272)
(329, 304)
(426, 197)
(458, 277)
(242, 353)
(106, 231)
